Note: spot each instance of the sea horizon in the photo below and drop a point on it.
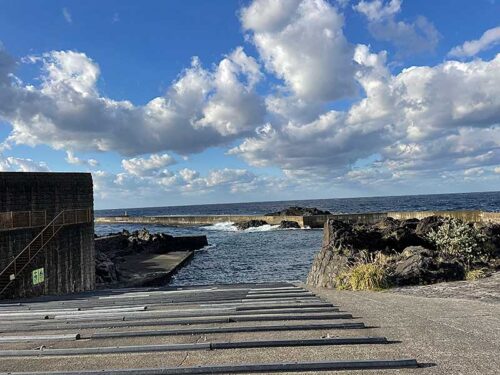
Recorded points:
(320, 201)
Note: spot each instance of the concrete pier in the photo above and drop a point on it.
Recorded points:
(315, 221)
(153, 269)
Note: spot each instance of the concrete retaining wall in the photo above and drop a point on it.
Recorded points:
(68, 259)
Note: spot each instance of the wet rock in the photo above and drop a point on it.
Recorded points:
(299, 211)
(250, 224)
(287, 224)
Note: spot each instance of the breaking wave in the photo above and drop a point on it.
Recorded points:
(225, 227)
(230, 227)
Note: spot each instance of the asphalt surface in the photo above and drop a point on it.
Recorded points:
(452, 335)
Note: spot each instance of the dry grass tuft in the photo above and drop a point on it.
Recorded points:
(363, 276)
(475, 275)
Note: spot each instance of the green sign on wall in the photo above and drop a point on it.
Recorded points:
(38, 276)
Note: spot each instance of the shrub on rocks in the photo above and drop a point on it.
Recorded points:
(462, 240)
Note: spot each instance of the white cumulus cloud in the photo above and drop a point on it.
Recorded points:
(408, 37)
(153, 165)
(202, 108)
(13, 164)
(377, 10)
(71, 158)
(302, 43)
(489, 39)
(423, 119)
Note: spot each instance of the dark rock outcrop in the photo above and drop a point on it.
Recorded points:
(105, 269)
(492, 232)
(126, 243)
(418, 265)
(286, 224)
(299, 211)
(250, 224)
(428, 224)
(411, 258)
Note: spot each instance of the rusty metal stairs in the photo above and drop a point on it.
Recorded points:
(20, 262)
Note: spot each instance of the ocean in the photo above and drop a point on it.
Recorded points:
(267, 254)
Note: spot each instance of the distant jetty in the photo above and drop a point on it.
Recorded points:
(304, 221)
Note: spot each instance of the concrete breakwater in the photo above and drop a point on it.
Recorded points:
(313, 221)
(196, 220)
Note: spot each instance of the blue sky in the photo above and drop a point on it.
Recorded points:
(184, 102)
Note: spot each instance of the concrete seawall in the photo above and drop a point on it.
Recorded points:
(196, 220)
(316, 221)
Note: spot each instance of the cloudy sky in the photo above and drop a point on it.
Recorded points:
(185, 102)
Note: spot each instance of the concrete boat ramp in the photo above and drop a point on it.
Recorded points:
(225, 329)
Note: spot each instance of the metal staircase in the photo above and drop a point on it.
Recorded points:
(66, 217)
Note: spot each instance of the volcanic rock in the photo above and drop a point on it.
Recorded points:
(287, 224)
(299, 211)
(411, 258)
(106, 271)
(418, 265)
(250, 224)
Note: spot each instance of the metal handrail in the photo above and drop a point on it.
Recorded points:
(52, 224)
(22, 219)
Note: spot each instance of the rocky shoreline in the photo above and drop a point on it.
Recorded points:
(116, 251)
(393, 253)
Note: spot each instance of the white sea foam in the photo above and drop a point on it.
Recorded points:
(208, 247)
(226, 227)
(230, 227)
(262, 228)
